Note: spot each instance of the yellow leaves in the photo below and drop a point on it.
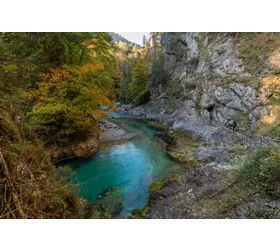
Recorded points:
(56, 75)
(89, 68)
(99, 113)
(268, 119)
(274, 154)
(121, 45)
(274, 58)
(271, 80)
(33, 95)
(262, 174)
(68, 99)
(271, 84)
(114, 109)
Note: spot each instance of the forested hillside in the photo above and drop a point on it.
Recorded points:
(52, 88)
(118, 38)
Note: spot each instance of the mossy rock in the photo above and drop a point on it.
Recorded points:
(185, 139)
(243, 120)
(142, 213)
(276, 71)
(155, 186)
(156, 125)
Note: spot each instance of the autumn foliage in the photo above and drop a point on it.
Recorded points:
(52, 89)
(67, 100)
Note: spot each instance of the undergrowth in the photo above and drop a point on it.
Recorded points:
(257, 180)
(30, 185)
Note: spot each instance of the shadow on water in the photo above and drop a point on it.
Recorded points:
(118, 176)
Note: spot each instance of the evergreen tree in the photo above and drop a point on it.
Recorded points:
(144, 41)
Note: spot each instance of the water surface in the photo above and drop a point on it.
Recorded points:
(119, 175)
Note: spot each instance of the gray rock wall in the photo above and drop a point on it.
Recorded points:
(207, 83)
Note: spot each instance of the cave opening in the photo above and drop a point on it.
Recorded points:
(210, 109)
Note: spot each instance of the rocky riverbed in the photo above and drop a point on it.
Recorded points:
(208, 80)
(112, 132)
(214, 146)
(209, 153)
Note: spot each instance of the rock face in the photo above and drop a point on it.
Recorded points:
(112, 132)
(207, 83)
(83, 148)
(109, 132)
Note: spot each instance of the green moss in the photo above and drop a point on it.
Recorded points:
(142, 213)
(156, 125)
(178, 155)
(10, 68)
(185, 139)
(180, 146)
(261, 213)
(243, 120)
(155, 186)
(231, 201)
(276, 71)
(175, 177)
(274, 100)
(192, 164)
(254, 84)
(201, 203)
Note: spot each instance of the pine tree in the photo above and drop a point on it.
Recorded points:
(144, 41)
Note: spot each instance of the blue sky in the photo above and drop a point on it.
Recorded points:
(134, 36)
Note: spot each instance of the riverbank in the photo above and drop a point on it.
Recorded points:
(129, 159)
(209, 145)
(85, 147)
(212, 187)
(180, 196)
(206, 186)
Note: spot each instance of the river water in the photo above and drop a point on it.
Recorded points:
(118, 176)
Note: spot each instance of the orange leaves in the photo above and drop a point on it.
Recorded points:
(271, 80)
(56, 75)
(89, 68)
(33, 95)
(99, 113)
(68, 99)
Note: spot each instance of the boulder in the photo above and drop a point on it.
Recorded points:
(111, 132)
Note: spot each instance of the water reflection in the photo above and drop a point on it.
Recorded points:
(129, 167)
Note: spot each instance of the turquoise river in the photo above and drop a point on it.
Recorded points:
(118, 176)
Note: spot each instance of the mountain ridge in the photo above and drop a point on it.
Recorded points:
(118, 38)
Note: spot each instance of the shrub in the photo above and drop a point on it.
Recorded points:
(262, 172)
(272, 130)
(276, 71)
(66, 100)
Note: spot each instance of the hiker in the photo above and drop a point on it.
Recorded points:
(232, 125)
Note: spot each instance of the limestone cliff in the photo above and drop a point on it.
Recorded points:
(210, 78)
